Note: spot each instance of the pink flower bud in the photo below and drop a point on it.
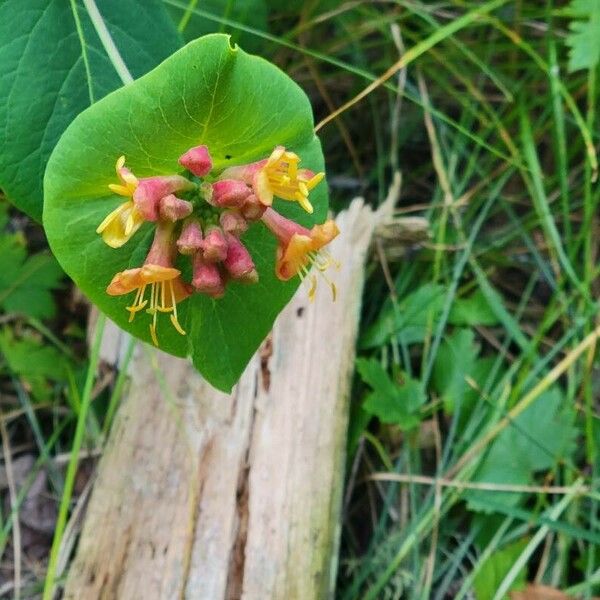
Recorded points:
(150, 190)
(214, 245)
(197, 160)
(190, 240)
(173, 208)
(239, 263)
(253, 209)
(233, 222)
(229, 192)
(207, 278)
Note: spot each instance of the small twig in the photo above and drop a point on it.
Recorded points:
(477, 485)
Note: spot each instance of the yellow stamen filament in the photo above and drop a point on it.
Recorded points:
(322, 261)
(162, 299)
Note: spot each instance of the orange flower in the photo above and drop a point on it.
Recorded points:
(300, 248)
(166, 290)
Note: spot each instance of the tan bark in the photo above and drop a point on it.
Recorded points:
(209, 496)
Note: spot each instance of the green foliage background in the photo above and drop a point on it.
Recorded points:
(473, 446)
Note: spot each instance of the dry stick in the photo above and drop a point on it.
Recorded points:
(476, 485)
(414, 53)
(14, 507)
(527, 400)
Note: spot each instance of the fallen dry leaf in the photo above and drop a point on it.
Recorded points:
(540, 592)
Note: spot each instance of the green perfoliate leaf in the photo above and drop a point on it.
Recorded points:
(238, 105)
(53, 65)
(455, 361)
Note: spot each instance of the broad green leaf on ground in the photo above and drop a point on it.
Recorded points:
(391, 402)
(27, 282)
(208, 16)
(496, 567)
(409, 320)
(537, 440)
(455, 361)
(35, 363)
(50, 71)
(472, 310)
(241, 107)
(584, 37)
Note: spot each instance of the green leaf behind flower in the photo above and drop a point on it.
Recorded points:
(51, 70)
(241, 107)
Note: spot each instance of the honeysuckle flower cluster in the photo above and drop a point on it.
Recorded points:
(203, 218)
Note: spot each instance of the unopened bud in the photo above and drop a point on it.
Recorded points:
(207, 278)
(190, 240)
(197, 160)
(214, 245)
(239, 263)
(233, 222)
(151, 190)
(174, 209)
(253, 209)
(229, 193)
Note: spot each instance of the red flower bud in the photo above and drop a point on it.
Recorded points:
(214, 245)
(172, 208)
(151, 190)
(229, 193)
(233, 222)
(253, 209)
(239, 263)
(207, 278)
(190, 240)
(197, 160)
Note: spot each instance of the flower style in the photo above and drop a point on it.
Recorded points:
(158, 274)
(300, 248)
(278, 176)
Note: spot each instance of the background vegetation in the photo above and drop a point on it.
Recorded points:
(473, 457)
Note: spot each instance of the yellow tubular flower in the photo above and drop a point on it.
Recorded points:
(277, 176)
(118, 227)
(280, 177)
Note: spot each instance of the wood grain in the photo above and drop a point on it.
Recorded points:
(203, 495)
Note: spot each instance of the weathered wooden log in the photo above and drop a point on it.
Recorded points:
(205, 495)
